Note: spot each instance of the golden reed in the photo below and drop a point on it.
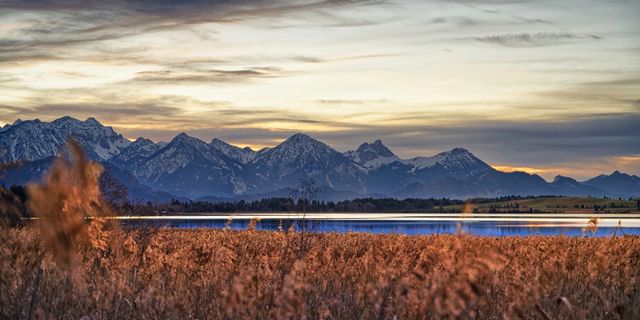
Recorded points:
(65, 268)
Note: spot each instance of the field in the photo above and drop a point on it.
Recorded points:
(558, 205)
(106, 272)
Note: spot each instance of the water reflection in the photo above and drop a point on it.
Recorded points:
(404, 226)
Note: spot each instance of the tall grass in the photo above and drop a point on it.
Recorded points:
(223, 274)
(62, 267)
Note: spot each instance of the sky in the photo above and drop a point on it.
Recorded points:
(547, 87)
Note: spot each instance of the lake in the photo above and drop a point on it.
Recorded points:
(503, 224)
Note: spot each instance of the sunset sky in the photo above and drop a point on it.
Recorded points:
(549, 87)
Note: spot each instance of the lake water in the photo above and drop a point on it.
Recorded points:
(408, 223)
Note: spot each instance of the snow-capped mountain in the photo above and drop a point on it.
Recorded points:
(303, 156)
(242, 155)
(135, 152)
(372, 155)
(34, 139)
(191, 167)
(33, 171)
(423, 174)
(459, 162)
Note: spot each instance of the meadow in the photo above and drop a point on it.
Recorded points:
(108, 272)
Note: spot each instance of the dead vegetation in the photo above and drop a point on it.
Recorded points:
(62, 267)
(222, 274)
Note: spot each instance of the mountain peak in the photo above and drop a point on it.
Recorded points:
(242, 155)
(459, 161)
(142, 141)
(34, 140)
(185, 138)
(302, 143)
(181, 135)
(372, 155)
(93, 121)
(563, 179)
(65, 119)
(376, 147)
(73, 122)
(618, 183)
(457, 152)
(301, 138)
(136, 151)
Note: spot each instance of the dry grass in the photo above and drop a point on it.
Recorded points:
(223, 274)
(60, 267)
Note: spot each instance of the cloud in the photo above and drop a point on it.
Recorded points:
(208, 76)
(58, 23)
(530, 143)
(104, 111)
(352, 101)
(309, 59)
(523, 40)
(615, 93)
(101, 31)
(472, 4)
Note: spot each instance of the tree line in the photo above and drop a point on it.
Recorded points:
(13, 204)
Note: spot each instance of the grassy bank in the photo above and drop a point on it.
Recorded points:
(110, 273)
(583, 205)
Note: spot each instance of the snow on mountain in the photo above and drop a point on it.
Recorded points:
(136, 151)
(303, 156)
(296, 152)
(372, 155)
(459, 162)
(190, 167)
(33, 139)
(242, 155)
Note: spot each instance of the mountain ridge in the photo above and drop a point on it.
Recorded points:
(192, 168)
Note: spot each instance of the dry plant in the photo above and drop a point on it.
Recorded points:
(69, 194)
(592, 225)
(223, 274)
(64, 267)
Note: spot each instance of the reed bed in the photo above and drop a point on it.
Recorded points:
(61, 267)
(115, 273)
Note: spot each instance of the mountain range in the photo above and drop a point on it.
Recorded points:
(189, 168)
